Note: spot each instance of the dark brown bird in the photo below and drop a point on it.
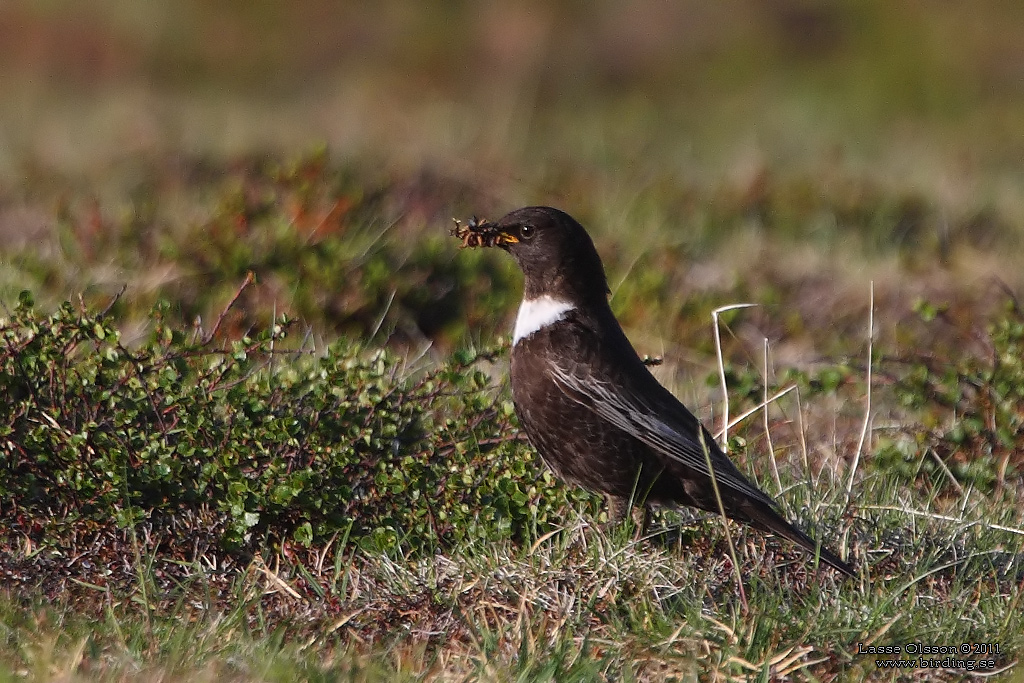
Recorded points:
(586, 400)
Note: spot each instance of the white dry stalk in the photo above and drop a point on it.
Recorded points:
(945, 518)
(721, 371)
(767, 431)
(768, 401)
(945, 470)
(384, 314)
(867, 407)
(803, 445)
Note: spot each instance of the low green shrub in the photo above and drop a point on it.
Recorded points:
(267, 443)
(970, 405)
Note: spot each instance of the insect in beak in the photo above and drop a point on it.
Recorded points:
(481, 233)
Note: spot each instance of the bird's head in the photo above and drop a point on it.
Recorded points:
(554, 252)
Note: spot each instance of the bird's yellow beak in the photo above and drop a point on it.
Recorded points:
(506, 238)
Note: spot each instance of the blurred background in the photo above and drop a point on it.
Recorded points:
(780, 148)
(691, 87)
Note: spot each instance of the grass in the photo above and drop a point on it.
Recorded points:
(576, 604)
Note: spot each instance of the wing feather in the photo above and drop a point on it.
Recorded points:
(668, 427)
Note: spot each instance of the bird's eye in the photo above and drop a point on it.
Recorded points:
(526, 232)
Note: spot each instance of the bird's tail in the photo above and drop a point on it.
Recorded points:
(766, 519)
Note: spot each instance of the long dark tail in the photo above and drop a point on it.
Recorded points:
(762, 517)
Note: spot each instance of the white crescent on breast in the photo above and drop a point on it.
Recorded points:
(535, 314)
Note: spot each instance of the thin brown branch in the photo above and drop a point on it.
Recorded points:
(250, 277)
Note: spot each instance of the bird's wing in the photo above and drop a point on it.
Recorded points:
(650, 413)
